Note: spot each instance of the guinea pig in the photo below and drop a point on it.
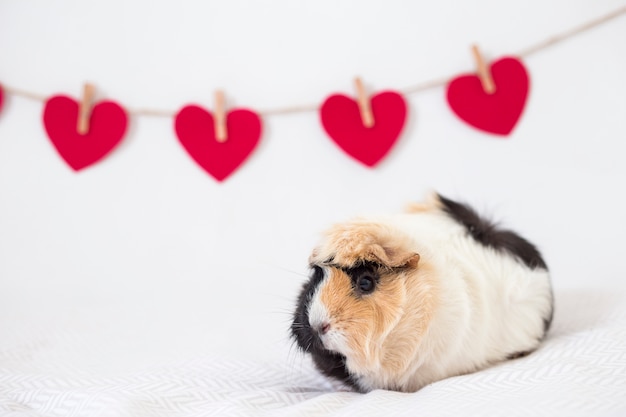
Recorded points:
(398, 302)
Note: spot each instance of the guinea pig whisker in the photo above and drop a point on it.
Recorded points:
(282, 268)
(298, 325)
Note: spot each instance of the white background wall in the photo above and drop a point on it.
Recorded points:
(150, 257)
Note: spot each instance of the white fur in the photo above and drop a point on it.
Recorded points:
(318, 315)
(490, 305)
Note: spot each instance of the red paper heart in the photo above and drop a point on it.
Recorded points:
(195, 130)
(342, 121)
(107, 125)
(495, 113)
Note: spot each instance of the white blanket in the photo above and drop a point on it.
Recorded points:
(579, 370)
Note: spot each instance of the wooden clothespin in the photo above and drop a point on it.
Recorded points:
(84, 109)
(365, 107)
(483, 72)
(219, 112)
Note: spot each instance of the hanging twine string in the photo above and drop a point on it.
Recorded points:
(23, 93)
(572, 32)
(427, 85)
(530, 50)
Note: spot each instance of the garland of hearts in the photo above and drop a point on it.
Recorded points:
(342, 117)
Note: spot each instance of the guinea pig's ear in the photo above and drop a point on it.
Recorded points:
(393, 257)
(349, 244)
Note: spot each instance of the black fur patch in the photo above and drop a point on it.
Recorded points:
(364, 268)
(329, 363)
(488, 234)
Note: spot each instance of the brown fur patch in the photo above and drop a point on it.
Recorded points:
(403, 342)
(363, 319)
(382, 329)
(350, 243)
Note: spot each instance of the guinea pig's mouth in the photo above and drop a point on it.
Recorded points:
(330, 362)
(318, 342)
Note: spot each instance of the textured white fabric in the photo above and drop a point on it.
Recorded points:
(579, 370)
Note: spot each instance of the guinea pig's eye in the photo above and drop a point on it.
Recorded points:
(366, 284)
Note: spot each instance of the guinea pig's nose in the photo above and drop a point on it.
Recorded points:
(323, 328)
